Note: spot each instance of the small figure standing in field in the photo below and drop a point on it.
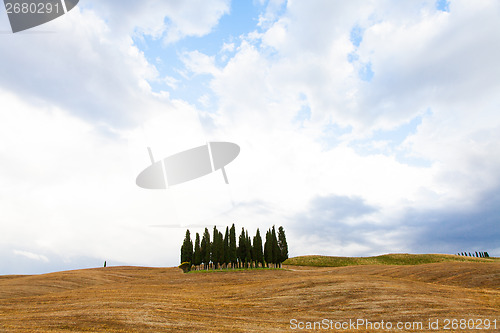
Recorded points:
(104, 263)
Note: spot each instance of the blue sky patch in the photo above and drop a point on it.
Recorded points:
(388, 142)
(352, 57)
(365, 72)
(167, 58)
(443, 5)
(356, 35)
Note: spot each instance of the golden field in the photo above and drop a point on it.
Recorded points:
(141, 299)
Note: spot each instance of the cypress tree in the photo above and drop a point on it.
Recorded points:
(275, 249)
(227, 259)
(242, 248)
(283, 246)
(268, 256)
(205, 249)
(257, 249)
(220, 243)
(215, 248)
(187, 249)
(232, 246)
(197, 252)
(248, 250)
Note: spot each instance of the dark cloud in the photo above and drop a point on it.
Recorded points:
(328, 217)
(338, 208)
(444, 230)
(453, 231)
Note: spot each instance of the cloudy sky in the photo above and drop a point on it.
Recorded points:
(365, 127)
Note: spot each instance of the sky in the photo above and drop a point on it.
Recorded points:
(365, 127)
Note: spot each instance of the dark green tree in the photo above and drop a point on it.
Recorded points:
(257, 249)
(268, 252)
(275, 248)
(232, 246)
(283, 246)
(242, 251)
(197, 252)
(227, 255)
(215, 248)
(248, 251)
(220, 245)
(205, 249)
(187, 249)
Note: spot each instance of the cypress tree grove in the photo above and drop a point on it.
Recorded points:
(222, 249)
(283, 246)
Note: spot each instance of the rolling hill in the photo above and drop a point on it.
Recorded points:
(386, 259)
(141, 299)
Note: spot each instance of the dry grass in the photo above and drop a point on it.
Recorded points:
(138, 299)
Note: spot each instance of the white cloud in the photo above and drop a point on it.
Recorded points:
(417, 58)
(271, 12)
(78, 113)
(227, 47)
(80, 68)
(30, 255)
(69, 190)
(171, 19)
(199, 63)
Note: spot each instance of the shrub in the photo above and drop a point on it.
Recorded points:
(185, 266)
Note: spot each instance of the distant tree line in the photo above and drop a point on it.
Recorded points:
(474, 254)
(222, 251)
